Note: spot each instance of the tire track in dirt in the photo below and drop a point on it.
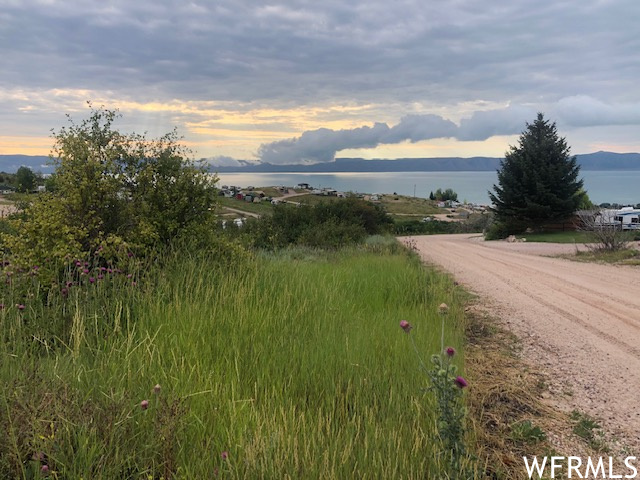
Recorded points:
(578, 322)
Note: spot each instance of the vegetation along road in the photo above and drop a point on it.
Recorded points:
(578, 322)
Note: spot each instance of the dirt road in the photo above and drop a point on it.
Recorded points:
(578, 322)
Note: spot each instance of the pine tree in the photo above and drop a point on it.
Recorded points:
(538, 180)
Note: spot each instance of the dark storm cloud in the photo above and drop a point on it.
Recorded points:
(304, 52)
(580, 61)
(322, 145)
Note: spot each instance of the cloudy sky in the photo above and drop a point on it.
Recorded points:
(306, 81)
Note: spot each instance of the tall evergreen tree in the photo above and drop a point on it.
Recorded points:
(537, 181)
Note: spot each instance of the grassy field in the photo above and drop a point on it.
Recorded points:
(289, 365)
(262, 208)
(558, 237)
(395, 204)
(620, 257)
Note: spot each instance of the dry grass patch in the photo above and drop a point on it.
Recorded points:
(508, 409)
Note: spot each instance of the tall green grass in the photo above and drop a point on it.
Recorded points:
(292, 364)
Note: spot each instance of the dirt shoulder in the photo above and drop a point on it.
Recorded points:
(578, 323)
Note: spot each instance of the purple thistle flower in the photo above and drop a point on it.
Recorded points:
(100, 276)
(1, 306)
(406, 326)
(225, 455)
(144, 404)
(92, 280)
(85, 271)
(78, 263)
(450, 351)
(461, 382)
(44, 469)
(20, 306)
(64, 292)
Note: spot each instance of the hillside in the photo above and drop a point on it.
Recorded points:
(590, 161)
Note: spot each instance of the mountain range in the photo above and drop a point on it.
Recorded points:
(590, 161)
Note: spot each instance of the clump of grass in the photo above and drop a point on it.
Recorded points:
(525, 432)
(628, 256)
(589, 430)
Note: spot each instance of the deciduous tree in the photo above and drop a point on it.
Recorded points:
(113, 191)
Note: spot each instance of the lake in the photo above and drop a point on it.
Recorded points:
(621, 187)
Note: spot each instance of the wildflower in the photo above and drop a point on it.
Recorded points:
(130, 254)
(129, 275)
(92, 280)
(85, 271)
(157, 389)
(20, 306)
(1, 306)
(225, 455)
(45, 469)
(443, 308)
(100, 276)
(450, 351)
(64, 292)
(78, 263)
(406, 326)
(461, 382)
(144, 404)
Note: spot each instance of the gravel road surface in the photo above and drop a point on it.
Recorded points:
(578, 322)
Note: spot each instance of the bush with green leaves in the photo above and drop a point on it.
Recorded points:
(114, 193)
(325, 225)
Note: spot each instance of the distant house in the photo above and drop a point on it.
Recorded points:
(41, 189)
(304, 186)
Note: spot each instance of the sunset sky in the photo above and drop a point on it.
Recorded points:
(306, 81)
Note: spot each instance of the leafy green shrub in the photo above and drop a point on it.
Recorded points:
(114, 192)
(332, 234)
(325, 225)
(497, 231)
(417, 227)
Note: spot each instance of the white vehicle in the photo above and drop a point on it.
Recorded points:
(627, 218)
